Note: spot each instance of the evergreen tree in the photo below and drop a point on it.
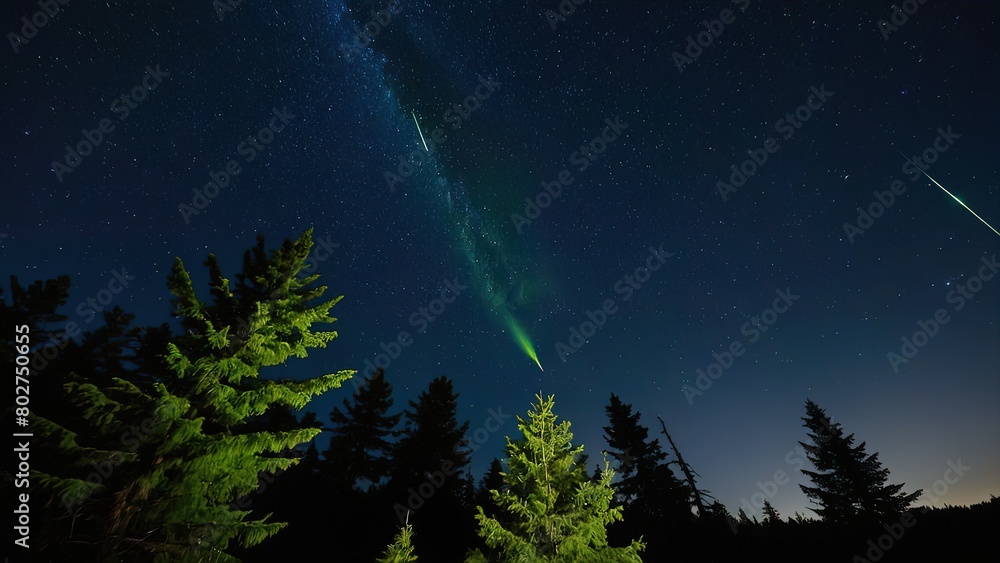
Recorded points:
(492, 481)
(648, 489)
(175, 452)
(849, 484)
(100, 354)
(311, 457)
(630, 446)
(360, 448)
(401, 549)
(36, 306)
(432, 436)
(65, 358)
(771, 515)
(296, 496)
(557, 513)
(431, 457)
(717, 513)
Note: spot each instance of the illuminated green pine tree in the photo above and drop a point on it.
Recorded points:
(178, 452)
(400, 550)
(555, 512)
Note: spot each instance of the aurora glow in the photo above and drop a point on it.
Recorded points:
(500, 285)
(502, 278)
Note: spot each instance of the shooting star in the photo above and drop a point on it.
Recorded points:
(947, 192)
(522, 339)
(422, 140)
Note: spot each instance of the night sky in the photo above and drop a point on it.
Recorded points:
(653, 232)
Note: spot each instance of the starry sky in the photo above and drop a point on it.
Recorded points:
(630, 194)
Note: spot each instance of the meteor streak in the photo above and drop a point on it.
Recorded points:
(947, 192)
(422, 140)
(522, 339)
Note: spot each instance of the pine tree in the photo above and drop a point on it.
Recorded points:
(36, 305)
(630, 446)
(492, 481)
(743, 519)
(57, 344)
(429, 480)
(401, 549)
(432, 436)
(557, 513)
(76, 457)
(849, 484)
(648, 488)
(297, 496)
(311, 457)
(360, 448)
(717, 510)
(771, 515)
(176, 452)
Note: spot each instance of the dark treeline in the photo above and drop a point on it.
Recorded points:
(152, 444)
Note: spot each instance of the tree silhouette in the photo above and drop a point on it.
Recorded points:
(647, 488)
(428, 477)
(689, 475)
(848, 484)
(771, 515)
(360, 449)
(431, 436)
(492, 481)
